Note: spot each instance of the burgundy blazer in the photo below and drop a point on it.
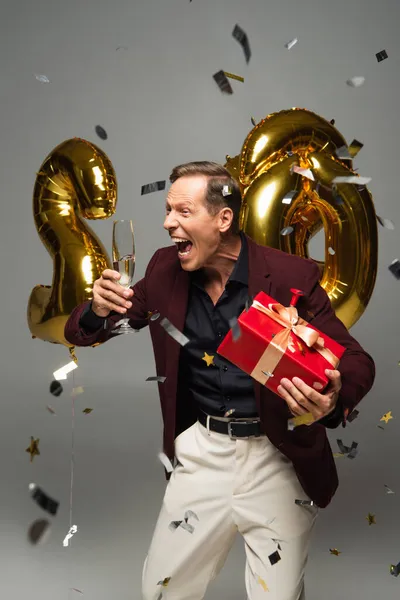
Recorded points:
(165, 288)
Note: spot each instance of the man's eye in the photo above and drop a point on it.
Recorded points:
(186, 211)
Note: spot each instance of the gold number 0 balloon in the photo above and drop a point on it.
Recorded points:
(75, 182)
(346, 212)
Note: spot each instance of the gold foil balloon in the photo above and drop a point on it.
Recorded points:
(75, 182)
(276, 197)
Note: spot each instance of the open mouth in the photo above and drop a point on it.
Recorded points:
(184, 246)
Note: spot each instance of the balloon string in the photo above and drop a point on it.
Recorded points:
(72, 451)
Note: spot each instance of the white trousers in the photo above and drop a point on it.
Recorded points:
(220, 487)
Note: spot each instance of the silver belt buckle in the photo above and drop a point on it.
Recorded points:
(245, 437)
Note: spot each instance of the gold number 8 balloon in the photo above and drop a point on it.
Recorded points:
(276, 197)
(76, 181)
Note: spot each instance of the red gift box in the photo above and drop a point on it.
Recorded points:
(275, 342)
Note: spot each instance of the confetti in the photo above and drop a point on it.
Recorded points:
(356, 179)
(334, 551)
(387, 416)
(208, 359)
(304, 502)
(69, 535)
(274, 557)
(226, 191)
(287, 230)
(33, 448)
(164, 582)
(288, 197)
(388, 490)
(355, 81)
(395, 569)
(153, 316)
(43, 500)
(230, 412)
(56, 388)
(306, 419)
(253, 121)
(51, 409)
(39, 531)
(223, 83)
(343, 153)
(331, 251)
(249, 302)
(345, 450)
(101, 132)
(76, 590)
(166, 462)
(243, 40)
(355, 148)
(156, 186)
(371, 519)
(262, 583)
(394, 268)
(236, 331)
(174, 332)
(87, 411)
(159, 379)
(121, 48)
(77, 390)
(42, 78)
(233, 76)
(184, 524)
(292, 43)
(386, 223)
(382, 55)
(63, 372)
(353, 415)
(302, 171)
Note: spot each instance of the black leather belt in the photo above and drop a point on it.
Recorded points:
(235, 429)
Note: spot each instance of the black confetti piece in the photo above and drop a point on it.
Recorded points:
(156, 186)
(101, 132)
(236, 331)
(380, 56)
(395, 569)
(243, 40)
(353, 415)
(56, 388)
(43, 500)
(394, 268)
(158, 378)
(274, 558)
(39, 531)
(223, 83)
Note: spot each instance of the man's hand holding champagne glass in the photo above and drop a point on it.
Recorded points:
(109, 294)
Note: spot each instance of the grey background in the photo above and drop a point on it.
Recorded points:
(160, 106)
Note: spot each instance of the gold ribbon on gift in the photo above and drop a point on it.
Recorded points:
(292, 324)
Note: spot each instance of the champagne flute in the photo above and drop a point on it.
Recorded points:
(123, 256)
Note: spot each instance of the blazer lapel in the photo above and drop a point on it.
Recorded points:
(259, 281)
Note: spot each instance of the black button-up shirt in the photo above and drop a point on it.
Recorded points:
(214, 384)
(206, 380)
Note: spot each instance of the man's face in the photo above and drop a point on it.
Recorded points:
(188, 220)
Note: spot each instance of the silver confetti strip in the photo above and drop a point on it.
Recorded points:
(236, 331)
(343, 153)
(155, 316)
(243, 40)
(355, 81)
(226, 191)
(394, 268)
(158, 378)
(388, 490)
(303, 171)
(166, 462)
(331, 251)
(386, 223)
(287, 230)
(287, 199)
(356, 179)
(223, 83)
(292, 43)
(304, 502)
(155, 186)
(174, 332)
(42, 78)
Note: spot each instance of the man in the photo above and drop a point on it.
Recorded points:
(238, 466)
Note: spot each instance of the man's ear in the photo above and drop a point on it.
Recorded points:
(225, 219)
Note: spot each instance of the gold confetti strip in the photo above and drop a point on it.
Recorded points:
(87, 411)
(164, 582)
(77, 390)
(33, 448)
(229, 412)
(261, 581)
(233, 76)
(209, 359)
(371, 519)
(334, 551)
(387, 416)
(51, 409)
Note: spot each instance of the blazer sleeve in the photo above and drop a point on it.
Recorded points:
(356, 367)
(78, 335)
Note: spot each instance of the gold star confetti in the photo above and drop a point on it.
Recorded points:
(87, 411)
(209, 359)
(371, 519)
(164, 582)
(334, 551)
(338, 455)
(387, 416)
(33, 448)
(262, 583)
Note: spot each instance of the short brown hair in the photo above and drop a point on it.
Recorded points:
(218, 177)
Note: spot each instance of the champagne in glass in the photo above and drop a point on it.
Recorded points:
(123, 256)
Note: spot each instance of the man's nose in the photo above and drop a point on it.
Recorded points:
(169, 222)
